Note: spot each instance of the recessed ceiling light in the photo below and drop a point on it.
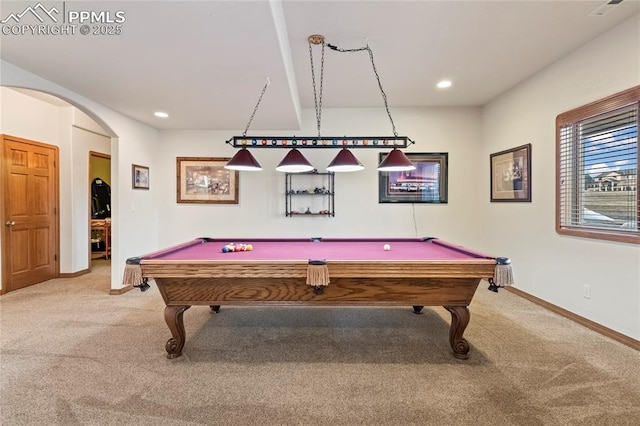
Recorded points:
(444, 84)
(161, 114)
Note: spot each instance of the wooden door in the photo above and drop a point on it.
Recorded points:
(30, 198)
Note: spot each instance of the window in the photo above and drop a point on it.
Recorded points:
(597, 169)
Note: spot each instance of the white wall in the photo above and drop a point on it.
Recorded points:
(83, 121)
(549, 266)
(29, 118)
(34, 119)
(83, 141)
(65, 173)
(43, 124)
(261, 208)
(135, 225)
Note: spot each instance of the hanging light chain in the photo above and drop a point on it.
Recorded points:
(317, 99)
(264, 89)
(317, 94)
(375, 71)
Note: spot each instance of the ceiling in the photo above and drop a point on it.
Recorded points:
(206, 62)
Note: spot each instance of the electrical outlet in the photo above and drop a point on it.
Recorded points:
(586, 291)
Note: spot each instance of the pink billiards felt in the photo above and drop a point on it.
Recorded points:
(327, 249)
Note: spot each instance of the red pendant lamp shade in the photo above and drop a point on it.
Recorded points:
(396, 161)
(294, 162)
(345, 161)
(244, 161)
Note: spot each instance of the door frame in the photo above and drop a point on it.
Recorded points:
(3, 201)
(107, 157)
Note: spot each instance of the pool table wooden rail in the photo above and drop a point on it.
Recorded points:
(341, 291)
(483, 268)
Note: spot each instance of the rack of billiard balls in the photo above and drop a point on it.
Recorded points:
(233, 247)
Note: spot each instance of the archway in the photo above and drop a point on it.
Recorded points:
(74, 121)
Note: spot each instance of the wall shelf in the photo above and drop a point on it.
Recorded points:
(309, 194)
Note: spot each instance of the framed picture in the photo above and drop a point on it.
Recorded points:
(426, 184)
(139, 177)
(205, 180)
(511, 174)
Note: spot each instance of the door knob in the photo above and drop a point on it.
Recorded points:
(10, 223)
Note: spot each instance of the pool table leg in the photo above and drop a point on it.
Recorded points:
(173, 318)
(214, 308)
(417, 309)
(459, 321)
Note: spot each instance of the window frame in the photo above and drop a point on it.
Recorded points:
(618, 100)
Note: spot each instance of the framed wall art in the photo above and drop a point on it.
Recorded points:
(426, 184)
(205, 180)
(139, 177)
(511, 174)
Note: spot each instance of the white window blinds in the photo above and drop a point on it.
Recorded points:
(597, 171)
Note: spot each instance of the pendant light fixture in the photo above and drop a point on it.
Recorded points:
(243, 161)
(396, 161)
(345, 160)
(294, 162)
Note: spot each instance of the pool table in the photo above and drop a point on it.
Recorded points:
(413, 272)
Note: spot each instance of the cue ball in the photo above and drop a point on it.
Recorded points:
(386, 247)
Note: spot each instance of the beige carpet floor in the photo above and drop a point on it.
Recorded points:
(71, 354)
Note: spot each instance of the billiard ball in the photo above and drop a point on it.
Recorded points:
(386, 247)
(249, 247)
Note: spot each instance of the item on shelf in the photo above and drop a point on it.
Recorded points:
(100, 199)
(100, 238)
